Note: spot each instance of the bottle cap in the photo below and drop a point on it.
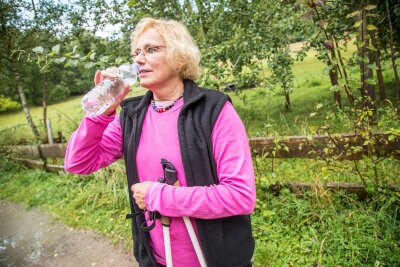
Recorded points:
(129, 72)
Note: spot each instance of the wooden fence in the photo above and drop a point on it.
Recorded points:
(338, 146)
(38, 156)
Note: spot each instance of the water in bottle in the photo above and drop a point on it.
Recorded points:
(103, 95)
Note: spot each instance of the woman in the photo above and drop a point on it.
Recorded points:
(195, 129)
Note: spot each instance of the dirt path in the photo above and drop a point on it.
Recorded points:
(30, 238)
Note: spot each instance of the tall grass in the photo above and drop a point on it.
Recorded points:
(325, 229)
(98, 201)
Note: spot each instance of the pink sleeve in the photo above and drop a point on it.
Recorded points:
(96, 144)
(234, 195)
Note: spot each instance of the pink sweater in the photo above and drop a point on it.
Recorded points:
(97, 143)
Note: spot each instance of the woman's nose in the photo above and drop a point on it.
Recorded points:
(139, 58)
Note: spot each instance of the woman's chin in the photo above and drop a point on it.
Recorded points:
(145, 84)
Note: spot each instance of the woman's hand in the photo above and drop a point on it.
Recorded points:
(111, 73)
(139, 193)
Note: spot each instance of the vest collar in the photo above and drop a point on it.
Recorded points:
(191, 94)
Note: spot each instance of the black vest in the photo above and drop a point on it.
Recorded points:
(226, 241)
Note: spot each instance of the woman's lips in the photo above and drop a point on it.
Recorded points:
(143, 72)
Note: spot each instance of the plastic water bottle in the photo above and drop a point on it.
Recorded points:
(103, 95)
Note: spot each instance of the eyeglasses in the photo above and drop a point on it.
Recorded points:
(147, 51)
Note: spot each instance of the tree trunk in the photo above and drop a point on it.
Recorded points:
(287, 101)
(23, 100)
(393, 58)
(347, 90)
(367, 89)
(333, 73)
(45, 99)
(377, 56)
(333, 76)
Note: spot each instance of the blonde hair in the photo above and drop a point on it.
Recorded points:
(182, 52)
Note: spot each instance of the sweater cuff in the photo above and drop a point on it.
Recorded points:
(104, 119)
(151, 195)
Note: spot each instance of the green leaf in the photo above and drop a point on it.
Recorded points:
(67, 63)
(119, 60)
(353, 14)
(131, 3)
(371, 81)
(59, 60)
(335, 88)
(372, 66)
(357, 23)
(104, 59)
(371, 47)
(354, 34)
(328, 69)
(359, 43)
(38, 49)
(92, 55)
(74, 62)
(56, 49)
(88, 65)
(371, 27)
(370, 7)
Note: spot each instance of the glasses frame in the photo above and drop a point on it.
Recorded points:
(145, 51)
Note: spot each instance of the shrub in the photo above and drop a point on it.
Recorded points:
(7, 104)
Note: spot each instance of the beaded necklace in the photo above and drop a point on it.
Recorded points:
(163, 109)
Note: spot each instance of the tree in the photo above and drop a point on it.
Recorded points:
(332, 28)
(232, 34)
(13, 36)
(393, 56)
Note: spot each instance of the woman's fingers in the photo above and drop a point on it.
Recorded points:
(97, 77)
(110, 73)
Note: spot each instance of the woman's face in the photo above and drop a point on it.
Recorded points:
(150, 53)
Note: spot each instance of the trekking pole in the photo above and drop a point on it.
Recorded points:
(167, 240)
(195, 242)
(171, 178)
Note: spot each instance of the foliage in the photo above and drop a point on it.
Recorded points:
(326, 229)
(7, 104)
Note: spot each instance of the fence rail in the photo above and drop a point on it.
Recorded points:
(36, 156)
(339, 146)
(342, 146)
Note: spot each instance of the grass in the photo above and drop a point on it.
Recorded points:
(320, 229)
(64, 116)
(324, 229)
(98, 201)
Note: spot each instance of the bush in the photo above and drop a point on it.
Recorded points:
(7, 104)
(59, 92)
